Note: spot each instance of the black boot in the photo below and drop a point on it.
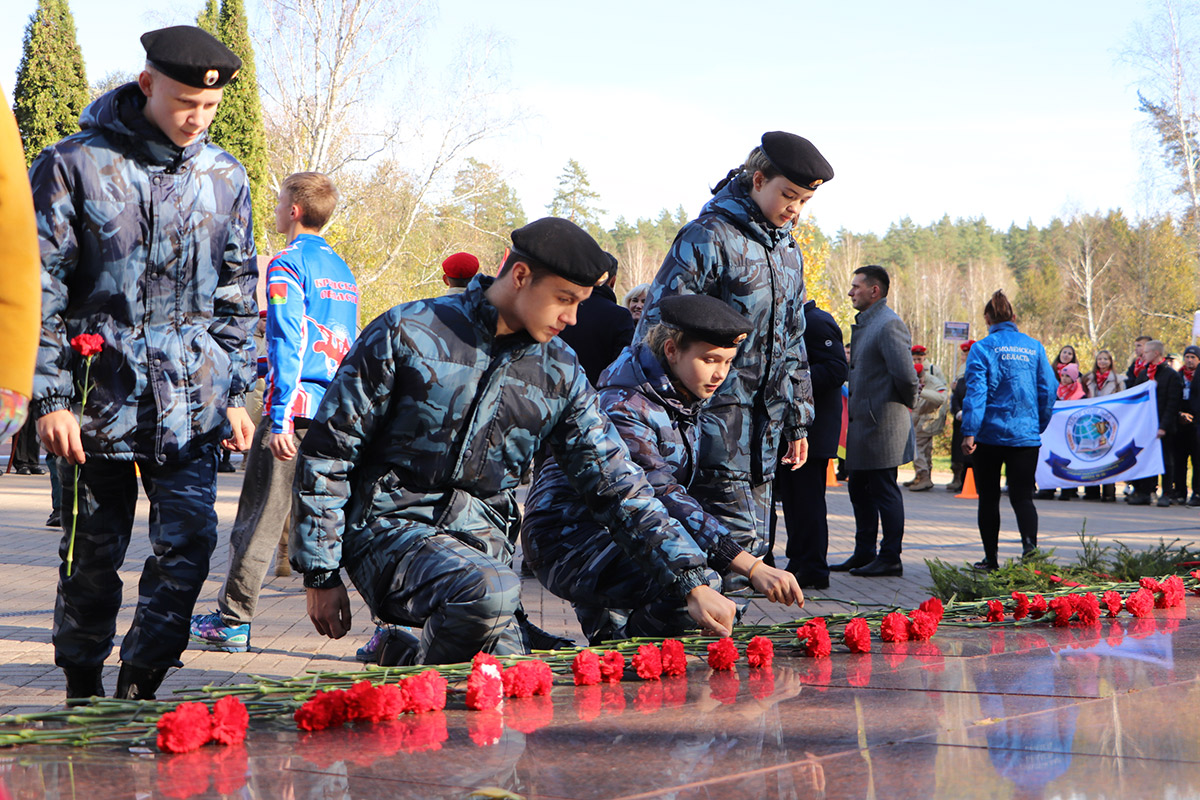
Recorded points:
(138, 683)
(82, 683)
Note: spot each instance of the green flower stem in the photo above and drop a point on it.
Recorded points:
(87, 380)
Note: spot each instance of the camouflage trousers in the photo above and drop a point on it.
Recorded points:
(745, 508)
(612, 596)
(465, 600)
(183, 532)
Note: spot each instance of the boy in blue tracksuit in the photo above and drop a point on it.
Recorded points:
(312, 319)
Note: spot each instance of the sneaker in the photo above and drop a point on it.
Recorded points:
(208, 629)
(369, 652)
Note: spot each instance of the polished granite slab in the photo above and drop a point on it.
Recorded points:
(1111, 711)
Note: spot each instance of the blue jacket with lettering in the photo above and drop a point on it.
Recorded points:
(1011, 389)
(150, 246)
(427, 428)
(312, 319)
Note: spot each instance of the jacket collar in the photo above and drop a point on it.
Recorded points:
(866, 315)
(484, 315)
(121, 112)
(638, 368)
(1003, 326)
(735, 203)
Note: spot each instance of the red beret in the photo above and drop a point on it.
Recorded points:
(918, 350)
(460, 265)
(966, 346)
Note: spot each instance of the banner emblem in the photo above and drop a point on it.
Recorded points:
(1091, 433)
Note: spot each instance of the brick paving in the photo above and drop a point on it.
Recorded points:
(284, 644)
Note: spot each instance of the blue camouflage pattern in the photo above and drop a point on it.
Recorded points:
(578, 559)
(732, 253)
(426, 430)
(151, 247)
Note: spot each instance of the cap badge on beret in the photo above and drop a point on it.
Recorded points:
(741, 337)
(211, 76)
(192, 56)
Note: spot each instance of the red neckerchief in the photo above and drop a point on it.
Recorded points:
(1139, 365)
(1150, 370)
(1101, 378)
(1187, 374)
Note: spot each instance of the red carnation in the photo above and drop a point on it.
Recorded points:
(361, 701)
(1139, 603)
(612, 666)
(1112, 601)
(1022, 601)
(995, 611)
(722, 654)
(922, 625)
(1151, 584)
(424, 692)
(525, 679)
(1087, 608)
(88, 344)
(674, 659)
(1063, 607)
(486, 727)
(482, 658)
(1173, 592)
(229, 721)
(819, 644)
(586, 668)
(894, 628)
(1038, 607)
(760, 652)
(184, 729)
(857, 635)
(648, 662)
(933, 606)
(485, 687)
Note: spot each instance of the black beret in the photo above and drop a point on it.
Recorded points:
(192, 56)
(705, 318)
(796, 159)
(564, 248)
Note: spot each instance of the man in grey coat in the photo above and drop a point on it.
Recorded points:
(883, 387)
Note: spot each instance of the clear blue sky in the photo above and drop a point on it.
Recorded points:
(1012, 111)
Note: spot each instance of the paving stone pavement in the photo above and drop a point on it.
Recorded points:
(284, 644)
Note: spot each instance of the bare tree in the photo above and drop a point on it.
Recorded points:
(326, 63)
(1085, 269)
(1165, 49)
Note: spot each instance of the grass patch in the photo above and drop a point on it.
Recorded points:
(1095, 563)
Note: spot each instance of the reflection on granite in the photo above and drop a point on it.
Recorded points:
(1035, 711)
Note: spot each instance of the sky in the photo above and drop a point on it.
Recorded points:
(1015, 112)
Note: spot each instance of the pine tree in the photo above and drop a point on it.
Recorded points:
(575, 198)
(209, 18)
(52, 88)
(238, 125)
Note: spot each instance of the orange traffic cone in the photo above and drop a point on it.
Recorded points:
(831, 474)
(968, 490)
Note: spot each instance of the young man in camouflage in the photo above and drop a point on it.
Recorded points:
(146, 240)
(406, 475)
(741, 250)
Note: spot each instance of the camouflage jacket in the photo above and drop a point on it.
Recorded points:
(732, 253)
(428, 426)
(659, 427)
(151, 247)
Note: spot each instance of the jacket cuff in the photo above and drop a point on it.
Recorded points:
(237, 400)
(795, 432)
(725, 551)
(323, 579)
(689, 580)
(46, 405)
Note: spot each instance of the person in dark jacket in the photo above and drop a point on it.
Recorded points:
(803, 491)
(959, 461)
(879, 436)
(146, 241)
(602, 328)
(741, 250)
(1169, 394)
(407, 474)
(1187, 440)
(653, 394)
(1011, 391)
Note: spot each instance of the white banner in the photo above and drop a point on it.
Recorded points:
(1102, 440)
